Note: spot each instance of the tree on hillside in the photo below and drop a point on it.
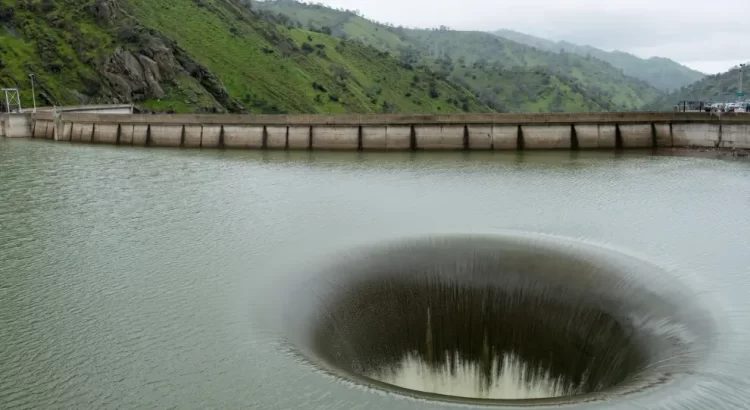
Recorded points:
(433, 89)
(409, 56)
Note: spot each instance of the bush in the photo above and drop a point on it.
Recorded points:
(434, 92)
(307, 48)
(6, 14)
(47, 6)
(387, 107)
(318, 87)
(339, 72)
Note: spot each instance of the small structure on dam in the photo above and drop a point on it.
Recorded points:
(387, 132)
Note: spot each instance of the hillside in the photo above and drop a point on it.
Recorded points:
(714, 88)
(494, 68)
(207, 56)
(662, 73)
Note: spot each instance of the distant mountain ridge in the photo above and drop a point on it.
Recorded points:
(506, 75)
(662, 73)
(722, 87)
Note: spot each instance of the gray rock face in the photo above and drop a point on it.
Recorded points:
(162, 55)
(136, 74)
(133, 75)
(152, 75)
(105, 11)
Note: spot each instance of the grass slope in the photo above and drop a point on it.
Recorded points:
(662, 73)
(278, 69)
(491, 67)
(55, 41)
(263, 66)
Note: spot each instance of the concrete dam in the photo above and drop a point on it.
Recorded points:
(386, 132)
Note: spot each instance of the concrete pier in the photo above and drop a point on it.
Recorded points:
(210, 136)
(735, 136)
(480, 137)
(16, 125)
(506, 137)
(636, 135)
(439, 137)
(546, 136)
(126, 134)
(237, 136)
(595, 136)
(335, 138)
(276, 137)
(165, 135)
(387, 132)
(299, 137)
(105, 133)
(192, 135)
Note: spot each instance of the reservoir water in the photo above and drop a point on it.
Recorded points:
(149, 278)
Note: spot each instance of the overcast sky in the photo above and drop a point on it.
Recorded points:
(710, 36)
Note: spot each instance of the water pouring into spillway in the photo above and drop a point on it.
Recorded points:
(502, 377)
(504, 318)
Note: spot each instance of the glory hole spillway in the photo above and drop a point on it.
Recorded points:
(291, 276)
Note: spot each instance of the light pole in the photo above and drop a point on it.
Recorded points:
(742, 66)
(33, 93)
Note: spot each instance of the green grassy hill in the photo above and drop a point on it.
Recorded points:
(662, 73)
(205, 55)
(496, 69)
(714, 88)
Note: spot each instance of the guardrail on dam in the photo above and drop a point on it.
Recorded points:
(399, 132)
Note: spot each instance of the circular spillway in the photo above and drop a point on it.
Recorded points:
(510, 319)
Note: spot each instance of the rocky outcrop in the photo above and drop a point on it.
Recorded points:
(138, 74)
(156, 50)
(105, 11)
(132, 75)
(145, 64)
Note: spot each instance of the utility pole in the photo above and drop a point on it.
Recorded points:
(33, 93)
(12, 98)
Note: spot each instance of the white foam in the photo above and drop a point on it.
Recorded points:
(467, 379)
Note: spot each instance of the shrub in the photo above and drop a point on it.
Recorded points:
(318, 87)
(434, 92)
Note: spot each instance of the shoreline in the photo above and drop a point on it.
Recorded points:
(706, 152)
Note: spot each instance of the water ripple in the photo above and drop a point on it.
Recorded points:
(137, 278)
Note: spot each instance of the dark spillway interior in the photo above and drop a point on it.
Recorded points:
(376, 324)
(552, 312)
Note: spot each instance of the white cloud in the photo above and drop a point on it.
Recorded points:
(706, 35)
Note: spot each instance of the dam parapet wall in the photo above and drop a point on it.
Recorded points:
(398, 132)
